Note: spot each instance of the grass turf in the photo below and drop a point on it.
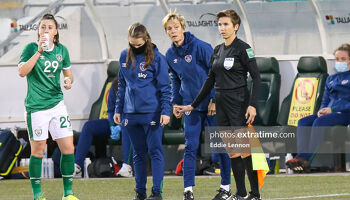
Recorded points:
(276, 187)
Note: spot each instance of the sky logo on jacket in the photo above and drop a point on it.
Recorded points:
(142, 75)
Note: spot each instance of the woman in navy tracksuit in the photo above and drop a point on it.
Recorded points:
(188, 60)
(144, 99)
(335, 110)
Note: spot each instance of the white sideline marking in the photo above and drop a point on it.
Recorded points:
(313, 196)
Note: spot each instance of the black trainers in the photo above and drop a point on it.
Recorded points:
(140, 196)
(223, 195)
(188, 195)
(155, 197)
(237, 197)
(252, 197)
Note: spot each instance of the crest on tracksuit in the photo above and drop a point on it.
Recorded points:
(142, 66)
(188, 58)
(228, 63)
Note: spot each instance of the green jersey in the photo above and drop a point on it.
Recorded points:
(44, 88)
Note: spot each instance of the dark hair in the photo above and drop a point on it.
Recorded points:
(138, 30)
(115, 82)
(231, 14)
(49, 16)
(344, 47)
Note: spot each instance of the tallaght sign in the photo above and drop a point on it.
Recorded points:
(205, 20)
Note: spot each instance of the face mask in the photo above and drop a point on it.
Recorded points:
(341, 66)
(139, 50)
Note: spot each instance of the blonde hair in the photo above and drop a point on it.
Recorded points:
(344, 47)
(173, 15)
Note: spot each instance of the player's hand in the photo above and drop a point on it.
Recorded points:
(42, 39)
(183, 109)
(324, 111)
(250, 114)
(116, 118)
(164, 120)
(67, 83)
(176, 113)
(211, 109)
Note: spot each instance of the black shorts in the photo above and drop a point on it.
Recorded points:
(231, 106)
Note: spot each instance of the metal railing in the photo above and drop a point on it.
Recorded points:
(6, 45)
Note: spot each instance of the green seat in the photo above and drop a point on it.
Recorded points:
(112, 72)
(308, 67)
(268, 99)
(173, 133)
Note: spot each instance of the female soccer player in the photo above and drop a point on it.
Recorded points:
(144, 99)
(45, 109)
(188, 60)
(231, 61)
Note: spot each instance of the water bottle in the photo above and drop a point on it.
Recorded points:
(22, 162)
(44, 168)
(46, 45)
(87, 162)
(50, 168)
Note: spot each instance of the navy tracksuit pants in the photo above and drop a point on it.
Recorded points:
(99, 128)
(146, 134)
(309, 141)
(194, 125)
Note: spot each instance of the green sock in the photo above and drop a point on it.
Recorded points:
(35, 175)
(67, 170)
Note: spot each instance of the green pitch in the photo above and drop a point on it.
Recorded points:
(331, 186)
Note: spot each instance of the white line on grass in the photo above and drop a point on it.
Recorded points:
(313, 196)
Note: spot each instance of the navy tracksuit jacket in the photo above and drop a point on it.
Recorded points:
(189, 66)
(143, 96)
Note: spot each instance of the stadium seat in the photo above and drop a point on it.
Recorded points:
(96, 108)
(173, 132)
(268, 99)
(112, 72)
(308, 67)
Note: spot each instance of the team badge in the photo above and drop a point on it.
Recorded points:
(126, 121)
(142, 66)
(38, 132)
(344, 82)
(59, 57)
(123, 64)
(228, 63)
(188, 58)
(187, 113)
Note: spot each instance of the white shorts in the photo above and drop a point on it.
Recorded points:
(55, 120)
